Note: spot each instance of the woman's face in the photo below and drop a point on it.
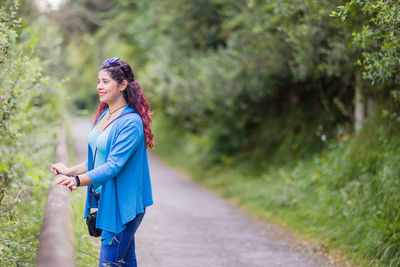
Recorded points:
(108, 88)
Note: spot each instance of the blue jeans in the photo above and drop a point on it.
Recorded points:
(121, 251)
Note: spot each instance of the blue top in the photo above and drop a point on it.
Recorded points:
(98, 140)
(124, 175)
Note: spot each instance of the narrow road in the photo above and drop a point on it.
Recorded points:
(189, 225)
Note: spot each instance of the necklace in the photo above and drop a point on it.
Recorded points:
(109, 116)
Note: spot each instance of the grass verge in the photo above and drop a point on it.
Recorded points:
(345, 198)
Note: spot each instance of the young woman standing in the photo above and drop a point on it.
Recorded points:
(116, 172)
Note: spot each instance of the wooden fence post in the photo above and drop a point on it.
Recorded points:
(56, 241)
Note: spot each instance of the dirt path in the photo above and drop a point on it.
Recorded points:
(192, 226)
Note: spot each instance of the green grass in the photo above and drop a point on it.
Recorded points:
(345, 198)
(86, 246)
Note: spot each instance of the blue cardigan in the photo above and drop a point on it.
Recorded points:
(125, 177)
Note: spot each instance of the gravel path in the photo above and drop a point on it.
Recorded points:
(189, 225)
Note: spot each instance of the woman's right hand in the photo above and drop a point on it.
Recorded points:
(59, 168)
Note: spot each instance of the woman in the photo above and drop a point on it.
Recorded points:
(116, 169)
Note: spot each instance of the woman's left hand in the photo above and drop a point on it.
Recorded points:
(68, 181)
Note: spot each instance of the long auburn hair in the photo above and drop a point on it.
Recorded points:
(133, 95)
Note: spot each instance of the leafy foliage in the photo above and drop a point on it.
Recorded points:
(30, 109)
(377, 38)
(224, 69)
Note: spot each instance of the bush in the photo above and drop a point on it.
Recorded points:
(30, 112)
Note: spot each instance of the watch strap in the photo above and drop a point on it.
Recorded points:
(78, 181)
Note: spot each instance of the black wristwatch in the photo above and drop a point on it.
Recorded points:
(78, 181)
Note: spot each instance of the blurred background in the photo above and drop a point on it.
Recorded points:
(288, 107)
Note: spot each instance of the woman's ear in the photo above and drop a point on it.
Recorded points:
(124, 84)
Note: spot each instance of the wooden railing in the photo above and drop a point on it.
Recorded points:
(56, 242)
